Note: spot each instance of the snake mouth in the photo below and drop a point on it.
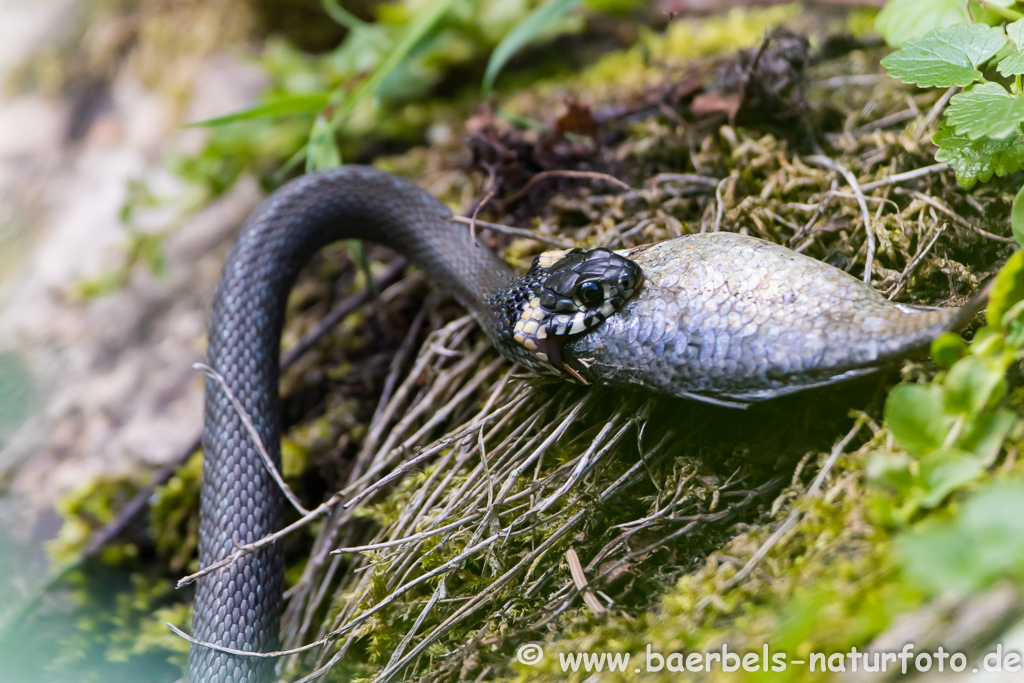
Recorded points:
(576, 291)
(565, 294)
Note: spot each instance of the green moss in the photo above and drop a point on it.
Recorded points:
(174, 520)
(86, 509)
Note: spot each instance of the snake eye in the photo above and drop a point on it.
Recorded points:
(589, 293)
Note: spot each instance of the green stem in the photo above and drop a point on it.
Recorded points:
(353, 23)
(423, 22)
(1004, 12)
(343, 16)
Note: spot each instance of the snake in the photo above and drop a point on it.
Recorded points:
(722, 317)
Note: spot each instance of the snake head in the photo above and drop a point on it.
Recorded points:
(564, 294)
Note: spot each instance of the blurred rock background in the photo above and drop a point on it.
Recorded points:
(93, 96)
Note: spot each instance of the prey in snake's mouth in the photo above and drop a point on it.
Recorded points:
(565, 293)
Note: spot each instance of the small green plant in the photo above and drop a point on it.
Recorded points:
(398, 58)
(952, 429)
(982, 543)
(902, 20)
(981, 134)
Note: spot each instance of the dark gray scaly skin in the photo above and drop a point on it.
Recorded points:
(722, 318)
(238, 607)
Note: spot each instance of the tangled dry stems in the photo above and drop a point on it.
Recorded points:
(479, 483)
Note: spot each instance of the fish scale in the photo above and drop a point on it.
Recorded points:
(728, 318)
(722, 318)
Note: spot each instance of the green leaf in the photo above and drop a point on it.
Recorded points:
(1007, 290)
(1015, 32)
(947, 56)
(322, 151)
(1015, 333)
(901, 20)
(975, 160)
(424, 22)
(981, 545)
(299, 103)
(972, 384)
(985, 434)
(527, 30)
(986, 110)
(890, 471)
(917, 416)
(1012, 64)
(1017, 217)
(947, 349)
(944, 471)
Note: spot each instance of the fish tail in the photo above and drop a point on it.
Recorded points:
(918, 327)
(975, 305)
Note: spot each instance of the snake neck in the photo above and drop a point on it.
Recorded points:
(238, 607)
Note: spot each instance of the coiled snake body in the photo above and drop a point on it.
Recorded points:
(723, 318)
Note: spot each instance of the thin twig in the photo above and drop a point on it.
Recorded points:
(855, 186)
(957, 218)
(246, 653)
(903, 177)
(407, 539)
(243, 550)
(140, 502)
(472, 221)
(934, 112)
(509, 230)
(543, 175)
(886, 121)
(579, 579)
(719, 204)
(685, 178)
(254, 435)
(904, 277)
(795, 515)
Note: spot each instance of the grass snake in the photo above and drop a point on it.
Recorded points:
(720, 317)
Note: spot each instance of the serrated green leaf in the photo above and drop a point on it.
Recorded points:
(917, 415)
(299, 103)
(1012, 64)
(1017, 217)
(1007, 290)
(528, 29)
(901, 20)
(1015, 32)
(985, 111)
(947, 56)
(975, 160)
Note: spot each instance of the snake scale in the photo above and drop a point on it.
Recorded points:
(722, 317)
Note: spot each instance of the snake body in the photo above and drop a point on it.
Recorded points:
(723, 318)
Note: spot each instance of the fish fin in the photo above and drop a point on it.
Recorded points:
(746, 398)
(737, 402)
